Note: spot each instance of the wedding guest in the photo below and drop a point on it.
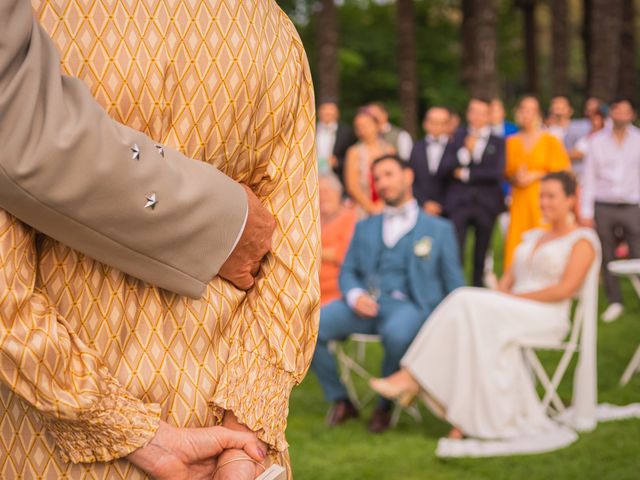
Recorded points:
(399, 266)
(474, 169)
(564, 128)
(113, 377)
(400, 139)
(429, 186)
(467, 362)
(580, 149)
(611, 193)
(454, 123)
(358, 178)
(333, 138)
(337, 224)
(500, 126)
(530, 155)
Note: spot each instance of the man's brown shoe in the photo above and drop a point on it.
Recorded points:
(341, 411)
(380, 420)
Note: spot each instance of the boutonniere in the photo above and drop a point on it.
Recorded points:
(422, 247)
(491, 149)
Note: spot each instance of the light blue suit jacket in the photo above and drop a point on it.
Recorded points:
(431, 277)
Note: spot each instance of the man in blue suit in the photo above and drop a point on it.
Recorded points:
(399, 267)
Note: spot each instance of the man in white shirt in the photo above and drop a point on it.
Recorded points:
(611, 192)
(393, 135)
(332, 139)
(399, 267)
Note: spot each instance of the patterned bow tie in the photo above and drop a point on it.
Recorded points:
(397, 212)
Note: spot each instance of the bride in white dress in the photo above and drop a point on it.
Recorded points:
(466, 361)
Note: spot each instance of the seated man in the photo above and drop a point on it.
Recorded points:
(399, 266)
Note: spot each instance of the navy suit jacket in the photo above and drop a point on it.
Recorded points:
(485, 178)
(431, 277)
(427, 186)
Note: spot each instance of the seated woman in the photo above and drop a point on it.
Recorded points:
(466, 361)
(337, 223)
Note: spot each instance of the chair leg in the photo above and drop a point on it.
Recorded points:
(633, 367)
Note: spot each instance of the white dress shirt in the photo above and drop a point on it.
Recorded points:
(396, 223)
(611, 170)
(435, 150)
(465, 157)
(404, 142)
(326, 139)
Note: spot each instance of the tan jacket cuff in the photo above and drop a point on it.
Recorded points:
(116, 425)
(257, 392)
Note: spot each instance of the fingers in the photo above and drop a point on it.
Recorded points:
(246, 441)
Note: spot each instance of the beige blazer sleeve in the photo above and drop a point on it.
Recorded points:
(70, 171)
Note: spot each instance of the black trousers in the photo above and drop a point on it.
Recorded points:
(482, 222)
(610, 217)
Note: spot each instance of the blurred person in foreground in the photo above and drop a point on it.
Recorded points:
(337, 223)
(399, 266)
(611, 193)
(110, 377)
(530, 155)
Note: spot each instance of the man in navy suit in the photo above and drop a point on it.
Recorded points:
(473, 169)
(430, 187)
(399, 267)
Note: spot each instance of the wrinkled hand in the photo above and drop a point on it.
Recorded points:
(236, 465)
(239, 466)
(192, 453)
(366, 306)
(244, 262)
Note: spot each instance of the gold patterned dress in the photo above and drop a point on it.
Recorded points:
(90, 358)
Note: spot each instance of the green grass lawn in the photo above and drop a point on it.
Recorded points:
(612, 451)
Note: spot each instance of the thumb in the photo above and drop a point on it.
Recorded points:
(246, 441)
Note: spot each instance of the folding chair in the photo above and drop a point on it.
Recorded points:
(551, 401)
(350, 360)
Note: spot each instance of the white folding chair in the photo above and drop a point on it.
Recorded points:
(351, 356)
(550, 400)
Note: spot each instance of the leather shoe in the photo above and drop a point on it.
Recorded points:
(380, 420)
(341, 411)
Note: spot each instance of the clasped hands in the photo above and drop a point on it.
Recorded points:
(218, 453)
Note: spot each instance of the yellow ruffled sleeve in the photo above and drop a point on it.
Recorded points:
(84, 409)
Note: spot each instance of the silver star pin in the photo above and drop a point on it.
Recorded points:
(136, 152)
(160, 150)
(151, 201)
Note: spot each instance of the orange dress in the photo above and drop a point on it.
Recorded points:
(547, 155)
(336, 235)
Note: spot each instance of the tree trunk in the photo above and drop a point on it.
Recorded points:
(628, 78)
(327, 41)
(606, 22)
(560, 48)
(479, 32)
(407, 65)
(587, 42)
(530, 46)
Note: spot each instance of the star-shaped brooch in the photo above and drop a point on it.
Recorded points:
(160, 149)
(136, 152)
(152, 201)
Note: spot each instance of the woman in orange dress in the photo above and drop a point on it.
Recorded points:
(531, 154)
(337, 223)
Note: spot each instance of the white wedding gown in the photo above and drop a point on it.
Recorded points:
(468, 359)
